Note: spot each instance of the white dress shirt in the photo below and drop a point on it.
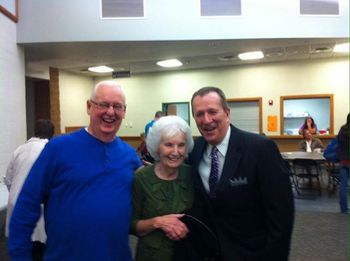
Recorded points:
(22, 161)
(308, 146)
(205, 164)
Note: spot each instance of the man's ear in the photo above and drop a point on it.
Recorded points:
(88, 107)
(227, 111)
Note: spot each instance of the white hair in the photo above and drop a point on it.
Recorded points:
(110, 84)
(167, 127)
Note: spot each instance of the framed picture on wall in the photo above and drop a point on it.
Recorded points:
(10, 9)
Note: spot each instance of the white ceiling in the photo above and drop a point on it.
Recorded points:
(141, 56)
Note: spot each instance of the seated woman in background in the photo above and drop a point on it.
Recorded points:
(309, 124)
(143, 152)
(162, 191)
(310, 144)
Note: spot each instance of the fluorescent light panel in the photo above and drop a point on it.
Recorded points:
(100, 69)
(341, 48)
(170, 63)
(251, 55)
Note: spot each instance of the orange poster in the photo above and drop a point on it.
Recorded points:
(272, 123)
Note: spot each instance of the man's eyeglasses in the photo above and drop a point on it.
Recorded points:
(104, 106)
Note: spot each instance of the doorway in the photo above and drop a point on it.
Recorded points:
(37, 102)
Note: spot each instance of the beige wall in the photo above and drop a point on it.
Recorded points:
(145, 93)
(74, 92)
(12, 93)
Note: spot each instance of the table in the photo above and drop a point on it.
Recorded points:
(289, 156)
(317, 157)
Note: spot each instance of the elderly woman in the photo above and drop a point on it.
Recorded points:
(163, 191)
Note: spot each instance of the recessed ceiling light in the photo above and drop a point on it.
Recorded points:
(251, 55)
(341, 48)
(170, 63)
(100, 69)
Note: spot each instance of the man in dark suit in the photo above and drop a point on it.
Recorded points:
(246, 197)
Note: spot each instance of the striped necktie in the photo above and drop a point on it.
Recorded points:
(214, 171)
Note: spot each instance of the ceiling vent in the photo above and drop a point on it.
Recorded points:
(227, 58)
(322, 49)
(274, 54)
(121, 74)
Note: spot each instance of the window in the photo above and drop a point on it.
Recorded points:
(220, 7)
(181, 109)
(122, 9)
(294, 110)
(246, 114)
(10, 9)
(319, 7)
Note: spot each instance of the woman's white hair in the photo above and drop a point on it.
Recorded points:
(168, 127)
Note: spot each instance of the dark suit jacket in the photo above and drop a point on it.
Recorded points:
(253, 211)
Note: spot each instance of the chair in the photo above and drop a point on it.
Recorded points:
(292, 177)
(306, 169)
(200, 244)
(333, 169)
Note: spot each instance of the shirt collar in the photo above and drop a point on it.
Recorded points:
(223, 145)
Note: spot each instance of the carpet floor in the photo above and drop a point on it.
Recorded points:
(320, 232)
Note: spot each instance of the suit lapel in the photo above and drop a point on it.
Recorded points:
(200, 147)
(233, 156)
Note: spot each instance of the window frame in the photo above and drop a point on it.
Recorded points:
(252, 99)
(164, 109)
(13, 15)
(303, 97)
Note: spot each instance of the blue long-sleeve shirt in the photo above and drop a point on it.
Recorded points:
(85, 186)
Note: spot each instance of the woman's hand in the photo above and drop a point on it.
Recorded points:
(172, 226)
